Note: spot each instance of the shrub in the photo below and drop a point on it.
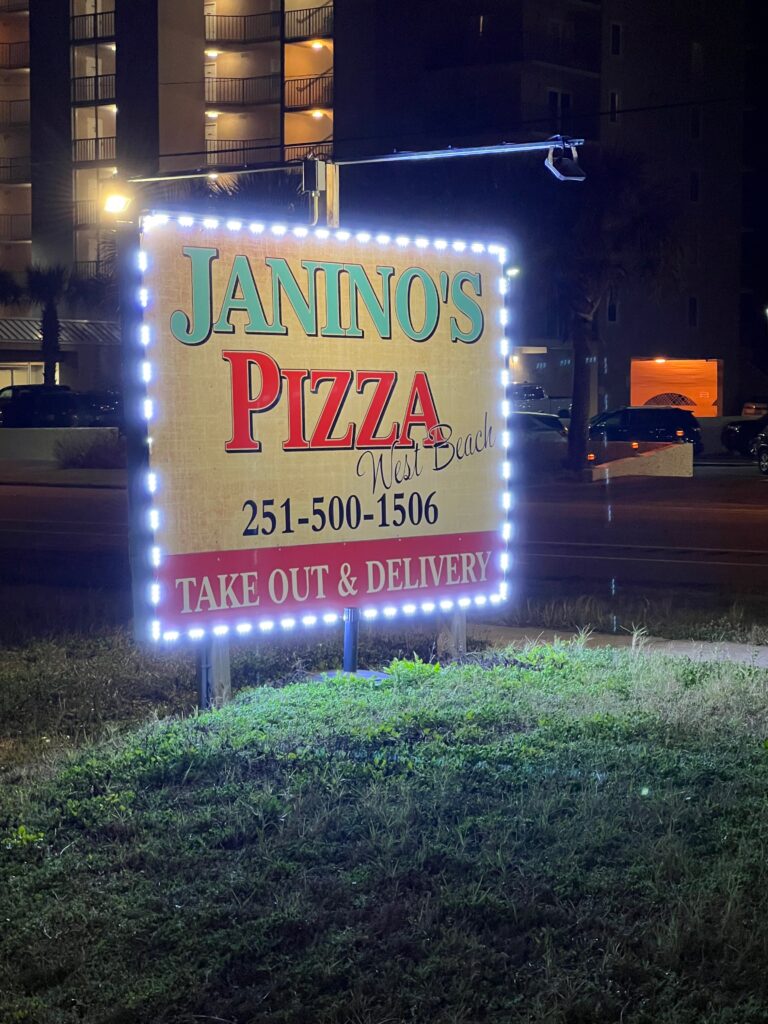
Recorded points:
(88, 450)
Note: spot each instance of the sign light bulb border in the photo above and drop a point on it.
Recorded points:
(147, 376)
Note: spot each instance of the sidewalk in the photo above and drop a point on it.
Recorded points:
(696, 650)
(47, 474)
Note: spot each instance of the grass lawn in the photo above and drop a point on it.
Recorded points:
(557, 835)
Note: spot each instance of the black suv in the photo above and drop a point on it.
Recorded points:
(38, 405)
(647, 423)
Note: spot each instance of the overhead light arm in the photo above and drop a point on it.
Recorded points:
(557, 142)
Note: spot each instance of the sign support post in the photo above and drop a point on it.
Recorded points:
(214, 673)
(351, 631)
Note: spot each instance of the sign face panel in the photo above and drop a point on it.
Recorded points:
(325, 419)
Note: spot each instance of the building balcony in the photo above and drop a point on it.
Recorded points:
(87, 269)
(304, 150)
(93, 89)
(83, 27)
(301, 93)
(246, 28)
(15, 227)
(243, 92)
(88, 151)
(13, 112)
(235, 152)
(565, 53)
(87, 212)
(14, 170)
(310, 23)
(546, 121)
(14, 55)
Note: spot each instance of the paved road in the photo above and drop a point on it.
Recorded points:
(62, 535)
(712, 531)
(709, 531)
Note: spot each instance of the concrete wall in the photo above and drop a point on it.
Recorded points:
(38, 444)
(647, 460)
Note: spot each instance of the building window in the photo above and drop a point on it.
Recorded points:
(559, 105)
(612, 307)
(693, 311)
(694, 187)
(20, 373)
(697, 59)
(695, 122)
(694, 248)
(616, 40)
(613, 108)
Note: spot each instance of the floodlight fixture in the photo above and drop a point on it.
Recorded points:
(564, 168)
(117, 202)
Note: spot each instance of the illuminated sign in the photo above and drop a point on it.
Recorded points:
(693, 384)
(324, 422)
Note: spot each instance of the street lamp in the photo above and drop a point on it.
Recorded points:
(564, 168)
(117, 202)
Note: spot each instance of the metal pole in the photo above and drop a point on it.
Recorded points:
(502, 149)
(351, 629)
(204, 671)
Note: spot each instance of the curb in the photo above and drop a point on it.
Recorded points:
(45, 483)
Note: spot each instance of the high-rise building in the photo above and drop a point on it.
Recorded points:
(88, 87)
(15, 223)
(150, 87)
(656, 85)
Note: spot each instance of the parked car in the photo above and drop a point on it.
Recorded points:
(100, 409)
(755, 407)
(38, 405)
(526, 397)
(738, 436)
(541, 440)
(759, 449)
(647, 423)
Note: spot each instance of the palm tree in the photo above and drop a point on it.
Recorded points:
(47, 287)
(10, 290)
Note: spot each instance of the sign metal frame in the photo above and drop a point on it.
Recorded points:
(145, 486)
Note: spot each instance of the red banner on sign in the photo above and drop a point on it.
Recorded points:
(238, 585)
